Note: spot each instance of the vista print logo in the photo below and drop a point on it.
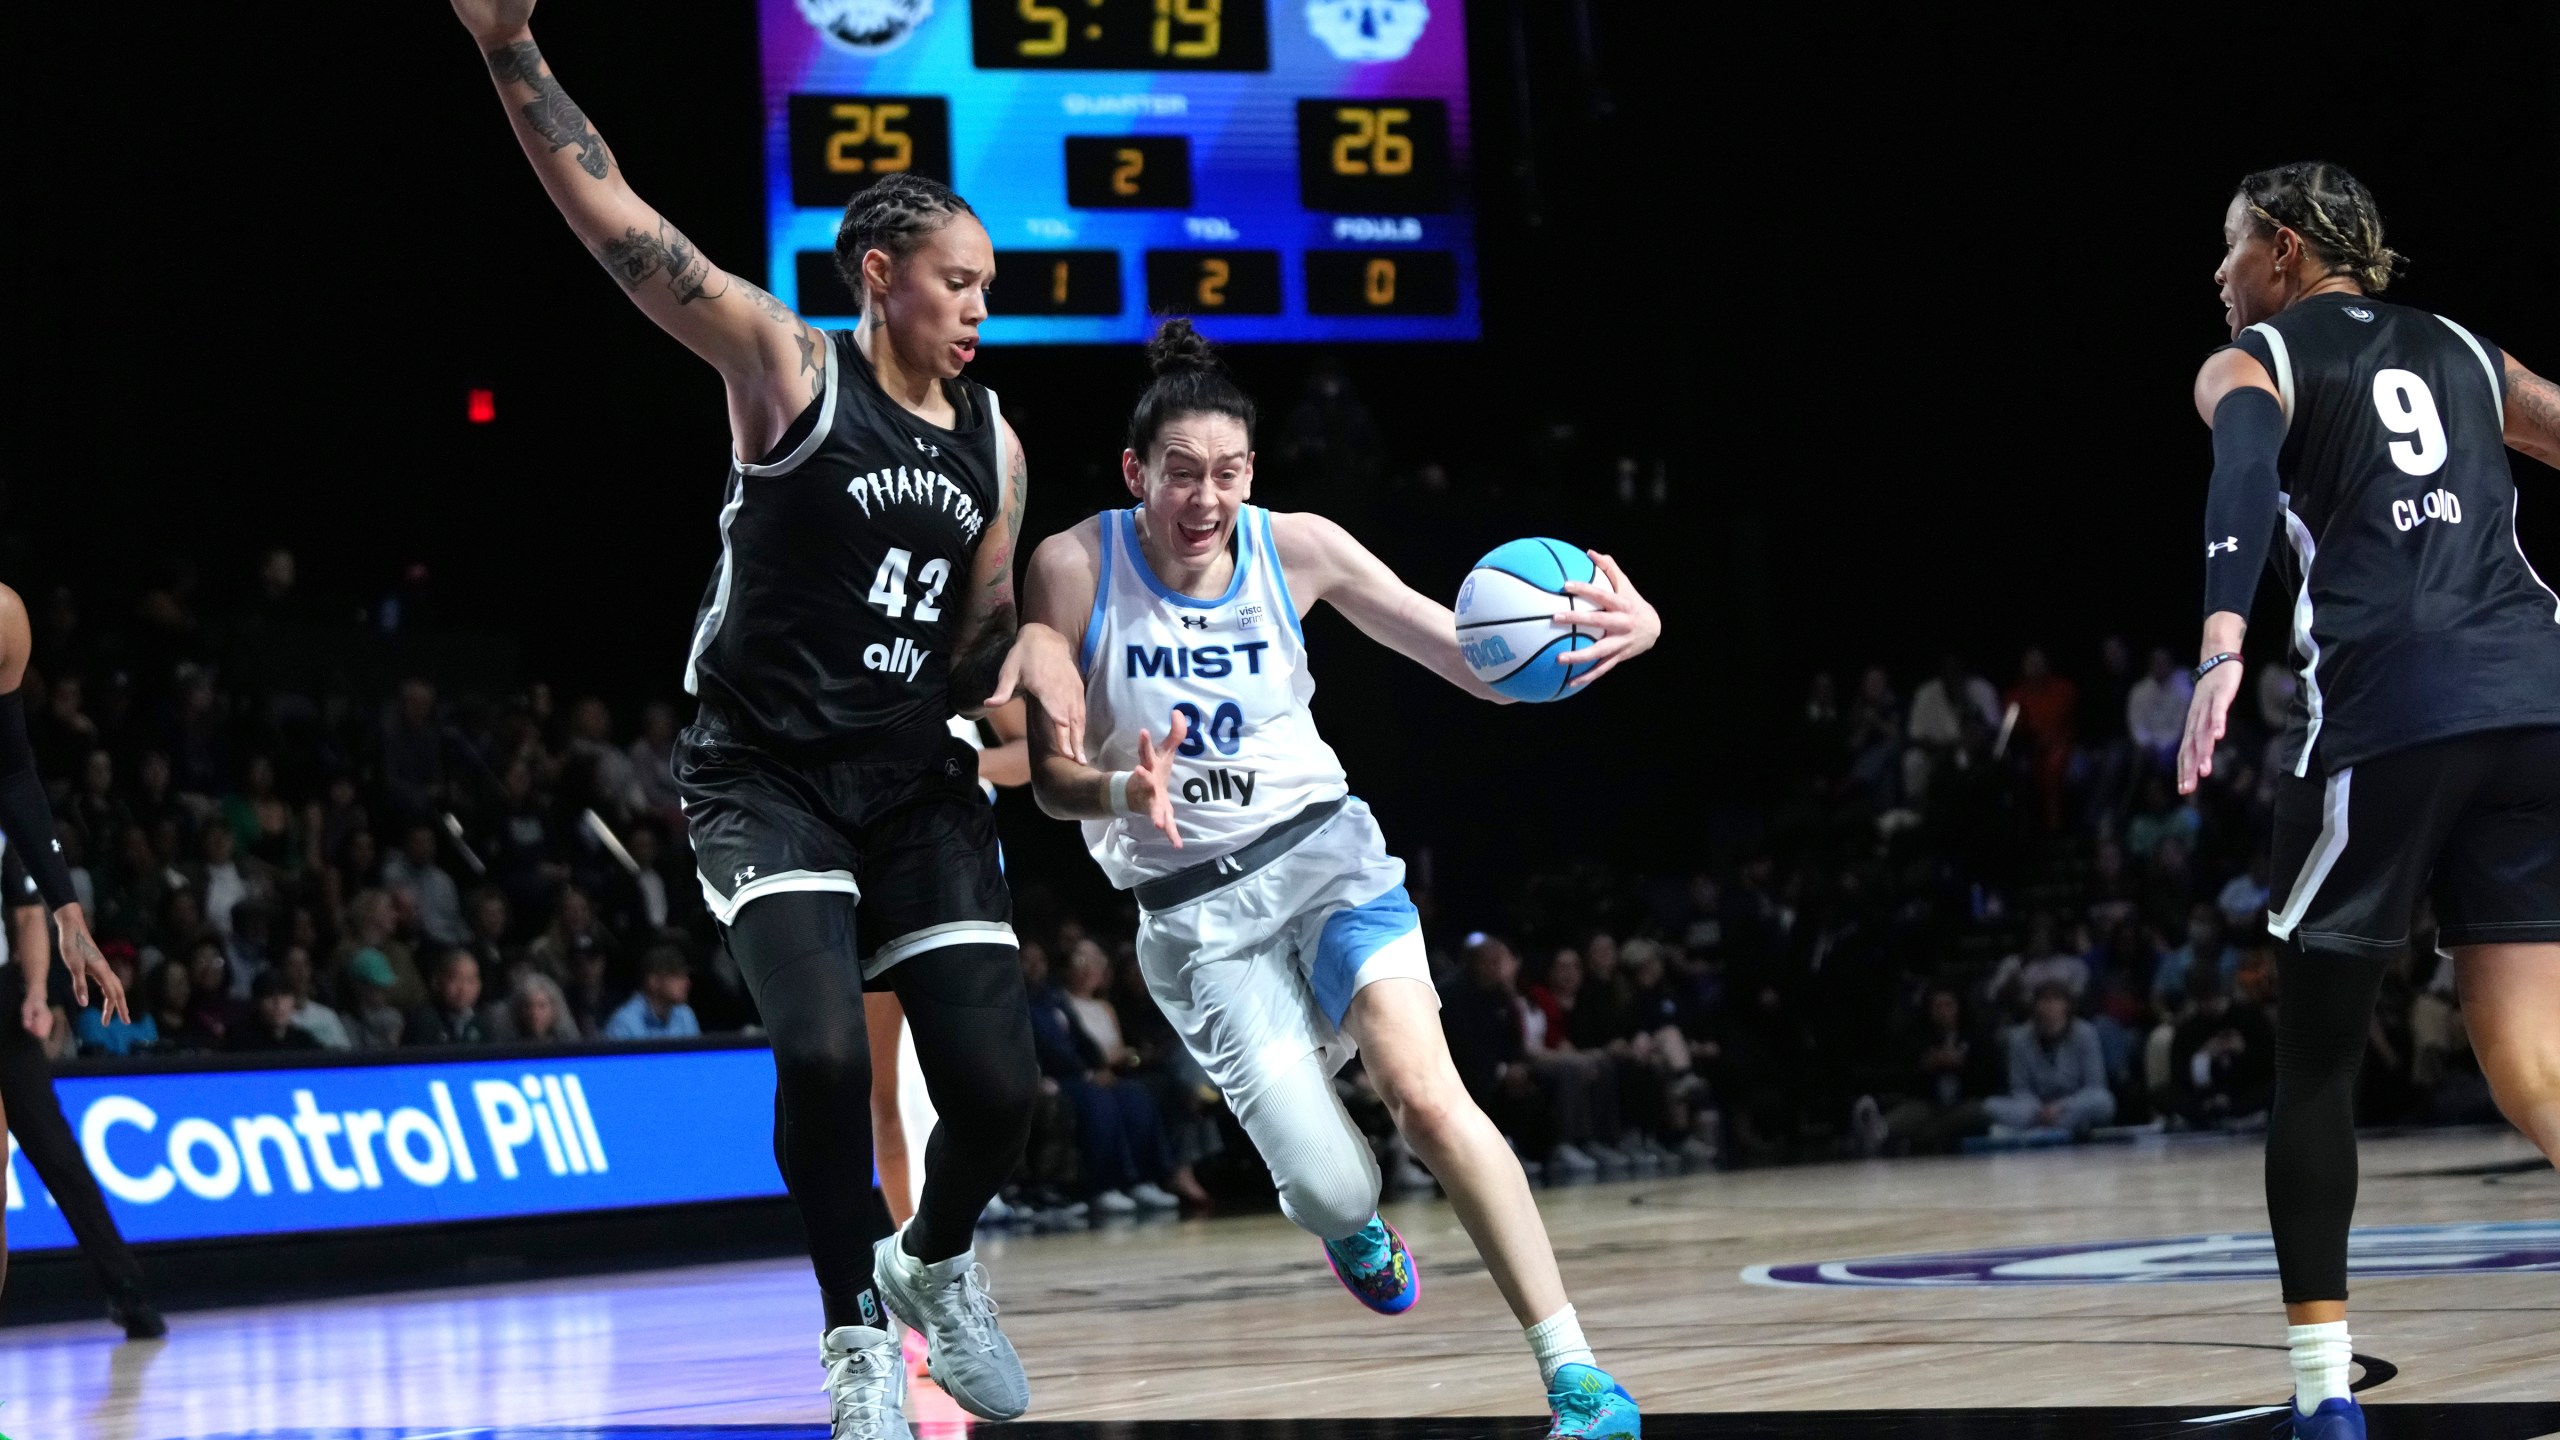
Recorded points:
(2383, 1252)
(866, 26)
(1364, 30)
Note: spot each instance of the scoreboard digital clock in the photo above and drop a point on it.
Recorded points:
(1283, 170)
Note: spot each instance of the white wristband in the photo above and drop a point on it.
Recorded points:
(1120, 793)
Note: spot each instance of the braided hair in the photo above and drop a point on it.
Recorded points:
(2333, 213)
(1190, 380)
(895, 215)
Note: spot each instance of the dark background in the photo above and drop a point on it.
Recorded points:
(1902, 311)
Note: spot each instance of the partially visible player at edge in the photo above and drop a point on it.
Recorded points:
(1273, 924)
(864, 594)
(26, 819)
(2423, 755)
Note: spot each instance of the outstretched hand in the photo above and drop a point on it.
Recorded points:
(2207, 714)
(491, 20)
(1043, 667)
(1627, 622)
(1151, 784)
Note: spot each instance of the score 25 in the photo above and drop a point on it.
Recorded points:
(841, 144)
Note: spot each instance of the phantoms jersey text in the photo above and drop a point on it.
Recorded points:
(844, 563)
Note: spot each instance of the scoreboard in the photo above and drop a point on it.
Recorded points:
(1279, 169)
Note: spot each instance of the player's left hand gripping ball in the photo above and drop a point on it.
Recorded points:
(1627, 622)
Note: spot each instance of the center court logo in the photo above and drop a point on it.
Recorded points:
(2381, 1253)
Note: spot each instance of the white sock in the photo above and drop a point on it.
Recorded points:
(2321, 1357)
(1557, 1342)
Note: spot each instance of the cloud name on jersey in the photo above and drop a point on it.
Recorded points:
(918, 486)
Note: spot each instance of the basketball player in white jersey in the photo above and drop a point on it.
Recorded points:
(1274, 927)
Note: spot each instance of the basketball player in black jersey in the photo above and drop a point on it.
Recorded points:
(2423, 758)
(864, 594)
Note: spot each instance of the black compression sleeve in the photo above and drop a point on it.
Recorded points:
(25, 816)
(2240, 507)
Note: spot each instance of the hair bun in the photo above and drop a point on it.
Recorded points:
(1178, 348)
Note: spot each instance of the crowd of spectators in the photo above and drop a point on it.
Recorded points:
(1975, 913)
(269, 868)
(1978, 915)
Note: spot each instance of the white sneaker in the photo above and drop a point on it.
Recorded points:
(1152, 1196)
(948, 1301)
(1567, 1160)
(866, 1384)
(1114, 1202)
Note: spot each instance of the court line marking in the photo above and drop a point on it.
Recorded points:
(2234, 1415)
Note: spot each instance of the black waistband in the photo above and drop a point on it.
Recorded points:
(889, 747)
(1184, 886)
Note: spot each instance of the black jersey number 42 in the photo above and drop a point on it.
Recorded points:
(889, 587)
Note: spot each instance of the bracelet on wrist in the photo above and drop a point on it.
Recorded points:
(2212, 662)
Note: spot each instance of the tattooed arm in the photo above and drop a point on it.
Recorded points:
(2533, 414)
(987, 626)
(774, 362)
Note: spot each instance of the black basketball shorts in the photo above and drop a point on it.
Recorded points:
(2472, 822)
(910, 837)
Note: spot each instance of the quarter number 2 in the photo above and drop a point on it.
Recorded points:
(2401, 399)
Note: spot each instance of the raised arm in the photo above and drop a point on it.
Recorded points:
(2533, 414)
(1324, 563)
(774, 362)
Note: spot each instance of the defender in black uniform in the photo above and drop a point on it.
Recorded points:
(33, 875)
(2423, 757)
(864, 594)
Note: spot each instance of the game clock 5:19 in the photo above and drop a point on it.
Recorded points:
(1120, 34)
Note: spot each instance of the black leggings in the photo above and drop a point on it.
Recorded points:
(2325, 1014)
(972, 1025)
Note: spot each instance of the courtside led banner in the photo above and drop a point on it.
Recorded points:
(195, 1155)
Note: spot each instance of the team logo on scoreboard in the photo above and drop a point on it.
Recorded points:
(869, 26)
(2379, 1253)
(1364, 29)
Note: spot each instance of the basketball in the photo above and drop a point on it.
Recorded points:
(1506, 617)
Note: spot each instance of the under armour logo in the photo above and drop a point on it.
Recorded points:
(934, 451)
(2216, 547)
(57, 847)
(743, 876)
(1195, 622)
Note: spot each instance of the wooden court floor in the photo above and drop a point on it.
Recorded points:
(1237, 1318)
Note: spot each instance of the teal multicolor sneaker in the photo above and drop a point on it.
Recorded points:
(1588, 1405)
(1374, 1266)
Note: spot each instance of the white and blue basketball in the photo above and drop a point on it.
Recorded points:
(1507, 610)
